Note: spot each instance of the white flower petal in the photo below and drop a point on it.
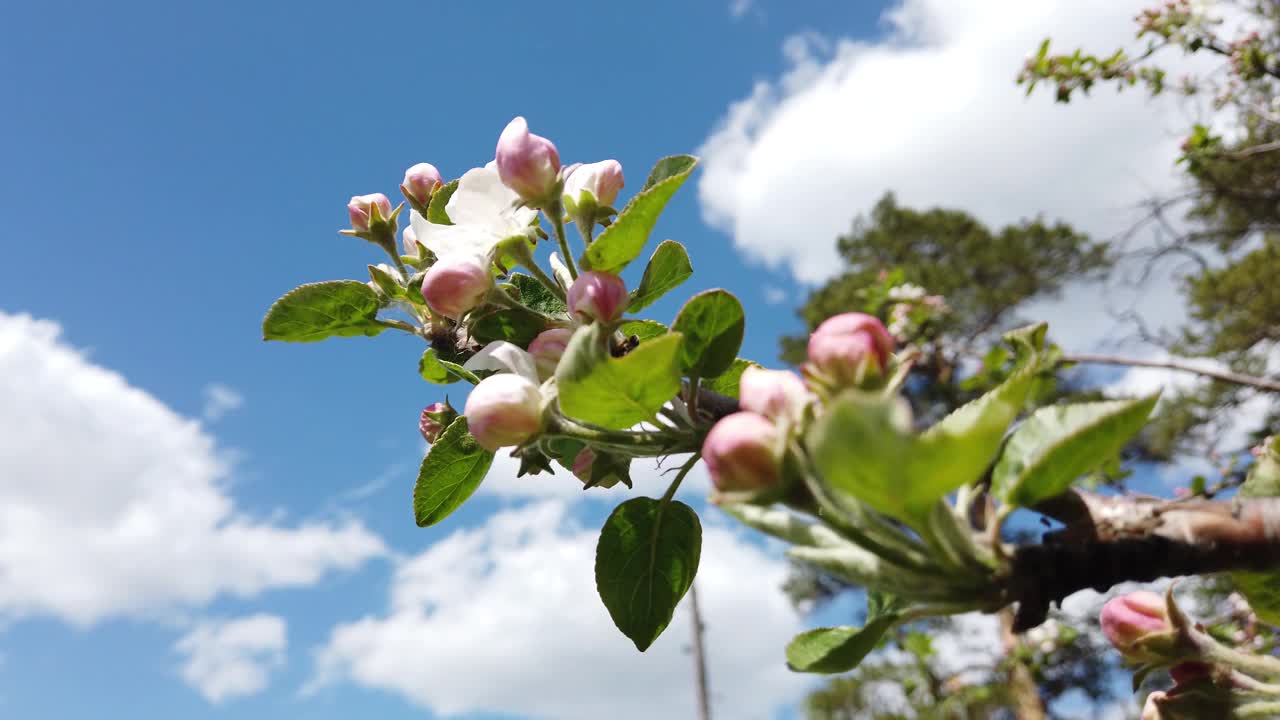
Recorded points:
(561, 271)
(481, 200)
(503, 356)
(447, 240)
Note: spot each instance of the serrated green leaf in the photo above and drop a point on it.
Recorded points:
(537, 297)
(726, 383)
(616, 392)
(836, 649)
(514, 325)
(863, 446)
(646, 559)
(339, 308)
(450, 473)
(432, 370)
(668, 267)
(712, 323)
(435, 211)
(643, 329)
(623, 240)
(1058, 444)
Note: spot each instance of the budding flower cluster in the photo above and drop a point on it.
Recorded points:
(744, 450)
(547, 349)
(593, 183)
(455, 285)
(1129, 618)
(363, 209)
(434, 419)
(420, 183)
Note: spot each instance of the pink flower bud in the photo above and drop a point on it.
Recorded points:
(776, 394)
(742, 453)
(455, 285)
(582, 464)
(434, 419)
(410, 240)
(1128, 618)
(598, 296)
(527, 163)
(547, 349)
(603, 180)
(359, 210)
(850, 347)
(504, 409)
(420, 181)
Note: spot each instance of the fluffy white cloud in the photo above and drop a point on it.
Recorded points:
(227, 659)
(111, 503)
(931, 112)
(219, 400)
(505, 618)
(648, 476)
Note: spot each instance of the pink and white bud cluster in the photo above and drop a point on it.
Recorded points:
(1129, 618)
(528, 164)
(547, 349)
(743, 453)
(598, 296)
(504, 409)
(363, 208)
(601, 181)
(420, 182)
(455, 285)
(849, 350)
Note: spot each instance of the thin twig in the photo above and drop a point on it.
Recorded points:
(1175, 364)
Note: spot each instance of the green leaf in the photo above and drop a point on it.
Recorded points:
(726, 383)
(535, 296)
(435, 211)
(643, 329)
(431, 370)
(864, 446)
(616, 393)
(1262, 589)
(452, 470)
(712, 323)
(511, 324)
(646, 559)
(668, 267)
(623, 240)
(836, 649)
(1058, 444)
(339, 308)
(461, 372)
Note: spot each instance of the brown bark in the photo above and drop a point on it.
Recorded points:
(1108, 540)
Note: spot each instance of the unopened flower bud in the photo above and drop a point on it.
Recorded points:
(547, 349)
(602, 180)
(741, 452)
(527, 163)
(420, 181)
(455, 285)
(776, 394)
(1129, 618)
(434, 419)
(598, 296)
(504, 409)
(849, 349)
(360, 208)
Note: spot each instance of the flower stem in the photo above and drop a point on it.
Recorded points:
(556, 213)
(675, 484)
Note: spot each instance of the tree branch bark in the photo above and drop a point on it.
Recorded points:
(1108, 540)
(1175, 364)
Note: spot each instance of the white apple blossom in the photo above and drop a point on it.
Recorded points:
(484, 213)
(503, 356)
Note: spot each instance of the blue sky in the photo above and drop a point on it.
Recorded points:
(171, 168)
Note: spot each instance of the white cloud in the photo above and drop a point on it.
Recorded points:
(932, 112)
(774, 295)
(739, 8)
(648, 476)
(227, 659)
(505, 618)
(112, 504)
(219, 400)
